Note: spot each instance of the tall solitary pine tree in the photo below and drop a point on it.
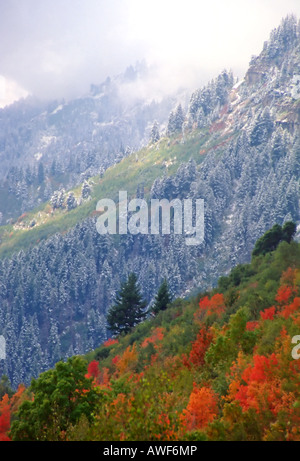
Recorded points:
(129, 308)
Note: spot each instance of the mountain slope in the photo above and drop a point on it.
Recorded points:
(221, 366)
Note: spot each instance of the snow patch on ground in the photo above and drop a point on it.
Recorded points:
(38, 156)
(60, 107)
(238, 84)
(46, 140)
(229, 219)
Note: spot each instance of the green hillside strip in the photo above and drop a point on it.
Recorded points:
(142, 167)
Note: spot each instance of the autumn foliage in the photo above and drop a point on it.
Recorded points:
(200, 346)
(201, 409)
(268, 314)
(215, 305)
(216, 369)
(4, 418)
(7, 407)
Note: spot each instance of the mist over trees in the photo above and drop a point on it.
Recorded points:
(48, 146)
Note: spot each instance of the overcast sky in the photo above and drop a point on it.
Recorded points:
(57, 48)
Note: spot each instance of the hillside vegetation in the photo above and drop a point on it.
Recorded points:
(220, 366)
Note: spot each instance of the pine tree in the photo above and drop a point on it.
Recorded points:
(154, 135)
(71, 201)
(262, 127)
(162, 299)
(58, 198)
(129, 308)
(271, 239)
(171, 124)
(86, 190)
(41, 174)
(289, 230)
(179, 118)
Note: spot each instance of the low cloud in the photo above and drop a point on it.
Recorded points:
(57, 48)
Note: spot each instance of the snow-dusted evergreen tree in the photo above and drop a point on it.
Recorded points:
(171, 124)
(179, 118)
(154, 135)
(176, 119)
(262, 127)
(58, 198)
(86, 190)
(71, 201)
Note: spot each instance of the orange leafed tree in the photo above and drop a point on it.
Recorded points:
(284, 294)
(289, 277)
(157, 336)
(201, 409)
(128, 359)
(18, 398)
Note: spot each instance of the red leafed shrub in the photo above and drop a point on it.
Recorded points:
(116, 360)
(287, 294)
(215, 305)
(291, 308)
(200, 346)
(252, 325)
(261, 370)
(204, 303)
(110, 342)
(260, 387)
(93, 370)
(4, 419)
(268, 314)
(284, 294)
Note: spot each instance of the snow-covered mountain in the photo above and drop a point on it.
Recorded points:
(47, 145)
